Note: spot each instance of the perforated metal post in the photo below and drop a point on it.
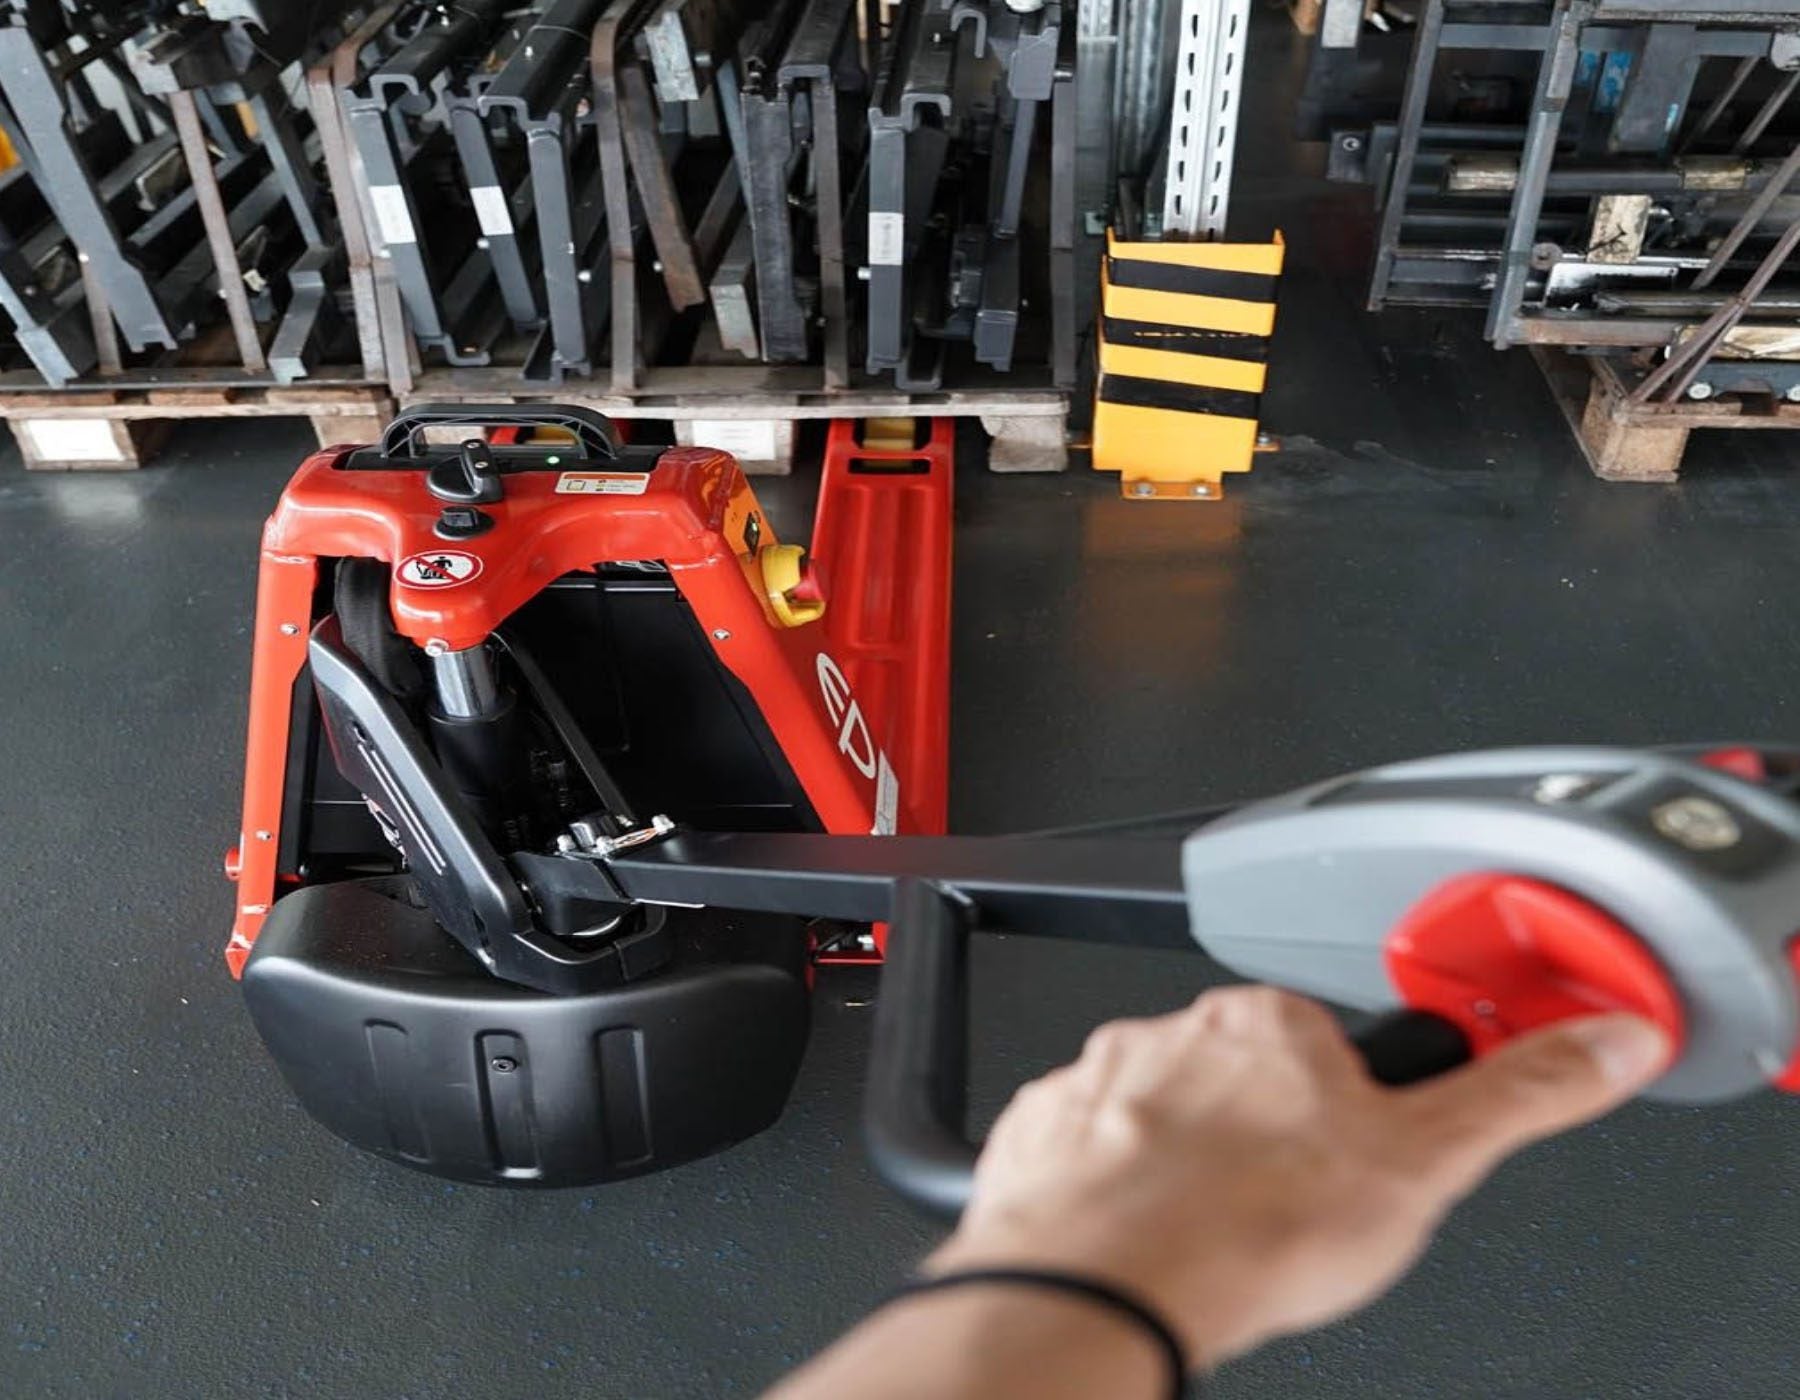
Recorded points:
(1209, 71)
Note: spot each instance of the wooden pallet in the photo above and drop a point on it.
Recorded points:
(117, 429)
(750, 410)
(1624, 441)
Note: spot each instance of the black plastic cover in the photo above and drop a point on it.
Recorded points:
(396, 1039)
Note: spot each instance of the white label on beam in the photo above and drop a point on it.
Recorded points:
(887, 239)
(491, 210)
(391, 217)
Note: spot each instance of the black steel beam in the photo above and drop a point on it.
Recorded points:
(1120, 891)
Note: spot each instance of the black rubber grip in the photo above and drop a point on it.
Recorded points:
(917, 1098)
(1404, 1047)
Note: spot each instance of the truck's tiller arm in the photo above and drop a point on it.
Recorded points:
(1482, 895)
(1096, 890)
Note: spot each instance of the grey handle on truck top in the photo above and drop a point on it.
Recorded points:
(917, 1097)
(596, 435)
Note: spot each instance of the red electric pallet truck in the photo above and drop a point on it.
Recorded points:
(564, 773)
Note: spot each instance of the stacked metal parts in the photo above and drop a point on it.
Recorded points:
(844, 196)
(1616, 179)
(621, 189)
(164, 184)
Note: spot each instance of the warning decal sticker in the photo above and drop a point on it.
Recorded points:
(438, 568)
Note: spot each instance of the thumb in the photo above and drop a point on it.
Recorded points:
(1533, 1087)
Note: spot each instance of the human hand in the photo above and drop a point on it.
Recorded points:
(1233, 1164)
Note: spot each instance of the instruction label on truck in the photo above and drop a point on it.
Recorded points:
(602, 483)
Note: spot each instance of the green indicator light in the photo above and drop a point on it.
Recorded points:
(553, 460)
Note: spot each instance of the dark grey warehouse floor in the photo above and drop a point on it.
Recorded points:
(1426, 566)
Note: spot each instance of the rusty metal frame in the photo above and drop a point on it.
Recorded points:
(656, 188)
(617, 20)
(217, 223)
(324, 80)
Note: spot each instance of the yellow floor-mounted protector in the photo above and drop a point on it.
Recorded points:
(1183, 357)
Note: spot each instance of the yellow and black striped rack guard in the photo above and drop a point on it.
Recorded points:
(1183, 357)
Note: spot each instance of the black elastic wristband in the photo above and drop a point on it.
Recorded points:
(1094, 1290)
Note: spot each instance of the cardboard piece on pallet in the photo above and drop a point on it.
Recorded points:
(1026, 444)
(85, 444)
(762, 446)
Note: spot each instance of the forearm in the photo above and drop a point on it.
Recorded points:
(986, 1341)
(1206, 1181)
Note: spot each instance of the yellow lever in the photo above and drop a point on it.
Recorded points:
(785, 582)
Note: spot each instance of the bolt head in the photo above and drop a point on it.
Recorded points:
(290, 629)
(1793, 394)
(1698, 823)
(720, 634)
(503, 1064)
(1142, 488)
(265, 836)
(1700, 390)
(1351, 143)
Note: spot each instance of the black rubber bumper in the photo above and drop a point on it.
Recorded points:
(396, 1040)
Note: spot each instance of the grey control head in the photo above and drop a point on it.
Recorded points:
(1702, 866)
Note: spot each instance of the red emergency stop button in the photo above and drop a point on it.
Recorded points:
(1740, 762)
(1501, 954)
